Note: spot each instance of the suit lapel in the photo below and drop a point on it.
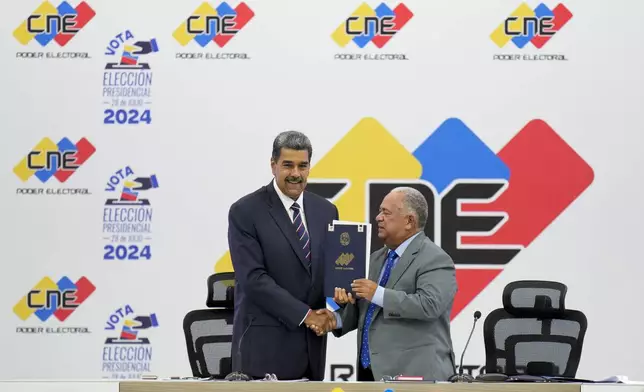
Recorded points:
(401, 266)
(376, 266)
(282, 219)
(405, 261)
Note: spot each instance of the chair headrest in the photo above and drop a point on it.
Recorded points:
(538, 298)
(221, 289)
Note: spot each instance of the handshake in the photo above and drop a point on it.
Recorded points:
(323, 321)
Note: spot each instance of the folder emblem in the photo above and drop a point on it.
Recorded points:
(344, 259)
(345, 239)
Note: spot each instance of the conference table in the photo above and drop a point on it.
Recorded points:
(272, 386)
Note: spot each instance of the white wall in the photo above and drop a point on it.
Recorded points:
(213, 122)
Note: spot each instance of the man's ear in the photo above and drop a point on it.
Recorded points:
(412, 221)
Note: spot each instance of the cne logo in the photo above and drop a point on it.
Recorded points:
(371, 25)
(526, 25)
(485, 207)
(50, 23)
(209, 24)
(367, 24)
(48, 159)
(49, 298)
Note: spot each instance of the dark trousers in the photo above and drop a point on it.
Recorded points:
(364, 374)
(308, 374)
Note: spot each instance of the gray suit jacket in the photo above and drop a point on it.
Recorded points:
(410, 335)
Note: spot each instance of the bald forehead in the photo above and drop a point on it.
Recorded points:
(393, 199)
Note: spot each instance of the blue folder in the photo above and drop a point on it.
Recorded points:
(346, 255)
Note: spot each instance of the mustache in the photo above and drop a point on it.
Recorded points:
(294, 180)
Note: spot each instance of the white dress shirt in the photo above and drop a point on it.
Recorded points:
(288, 202)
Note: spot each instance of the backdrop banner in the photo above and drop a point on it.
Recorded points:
(130, 127)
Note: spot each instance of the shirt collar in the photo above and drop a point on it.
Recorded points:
(402, 247)
(287, 201)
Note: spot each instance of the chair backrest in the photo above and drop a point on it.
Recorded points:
(208, 332)
(208, 335)
(221, 289)
(534, 333)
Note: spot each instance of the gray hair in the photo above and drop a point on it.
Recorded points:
(415, 203)
(293, 140)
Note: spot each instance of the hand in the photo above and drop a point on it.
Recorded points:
(144, 183)
(321, 321)
(146, 322)
(364, 288)
(145, 47)
(331, 321)
(342, 298)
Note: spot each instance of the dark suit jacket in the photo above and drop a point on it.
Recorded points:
(275, 286)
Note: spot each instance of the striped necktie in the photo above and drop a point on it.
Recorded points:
(302, 234)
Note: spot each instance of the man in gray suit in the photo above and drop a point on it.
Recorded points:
(403, 321)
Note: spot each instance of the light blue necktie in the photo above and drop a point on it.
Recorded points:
(364, 350)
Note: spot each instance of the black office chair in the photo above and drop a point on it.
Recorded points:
(208, 332)
(534, 334)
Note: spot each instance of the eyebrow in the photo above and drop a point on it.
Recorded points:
(301, 163)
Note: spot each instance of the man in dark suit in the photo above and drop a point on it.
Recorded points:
(275, 236)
